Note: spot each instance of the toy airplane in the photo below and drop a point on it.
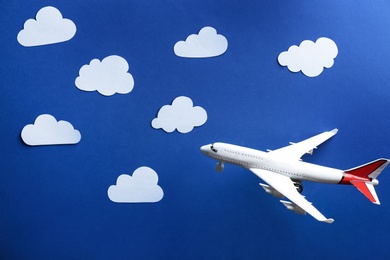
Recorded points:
(283, 171)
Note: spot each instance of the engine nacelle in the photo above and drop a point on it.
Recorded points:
(293, 207)
(219, 167)
(272, 191)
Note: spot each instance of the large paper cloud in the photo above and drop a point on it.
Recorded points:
(141, 187)
(47, 131)
(48, 28)
(108, 77)
(310, 58)
(203, 45)
(181, 115)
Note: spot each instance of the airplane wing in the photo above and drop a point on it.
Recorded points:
(296, 150)
(285, 186)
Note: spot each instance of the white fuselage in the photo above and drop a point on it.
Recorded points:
(250, 158)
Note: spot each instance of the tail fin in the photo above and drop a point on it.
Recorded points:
(364, 178)
(369, 170)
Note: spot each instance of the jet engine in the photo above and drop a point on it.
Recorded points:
(272, 191)
(293, 207)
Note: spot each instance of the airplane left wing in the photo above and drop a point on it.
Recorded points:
(296, 150)
(285, 186)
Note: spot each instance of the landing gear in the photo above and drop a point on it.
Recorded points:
(219, 167)
(298, 186)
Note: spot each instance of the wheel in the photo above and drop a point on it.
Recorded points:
(298, 186)
(219, 167)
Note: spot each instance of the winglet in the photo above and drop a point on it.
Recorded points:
(329, 220)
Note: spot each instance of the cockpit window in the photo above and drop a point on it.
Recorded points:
(213, 149)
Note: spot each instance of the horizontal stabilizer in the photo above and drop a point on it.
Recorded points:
(368, 190)
(272, 191)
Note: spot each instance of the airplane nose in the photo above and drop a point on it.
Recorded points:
(204, 149)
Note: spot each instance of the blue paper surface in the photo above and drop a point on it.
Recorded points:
(53, 199)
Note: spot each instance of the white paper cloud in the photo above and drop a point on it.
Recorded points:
(310, 57)
(48, 28)
(108, 77)
(47, 131)
(181, 115)
(141, 187)
(203, 45)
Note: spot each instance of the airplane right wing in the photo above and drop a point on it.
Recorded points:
(296, 150)
(284, 185)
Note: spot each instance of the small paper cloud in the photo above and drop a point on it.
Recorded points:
(141, 187)
(108, 77)
(203, 45)
(47, 131)
(310, 58)
(181, 115)
(48, 28)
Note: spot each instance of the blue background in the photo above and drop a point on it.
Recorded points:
(53, 199)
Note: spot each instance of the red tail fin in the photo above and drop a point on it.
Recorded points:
(369, 170)
(364, 178)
